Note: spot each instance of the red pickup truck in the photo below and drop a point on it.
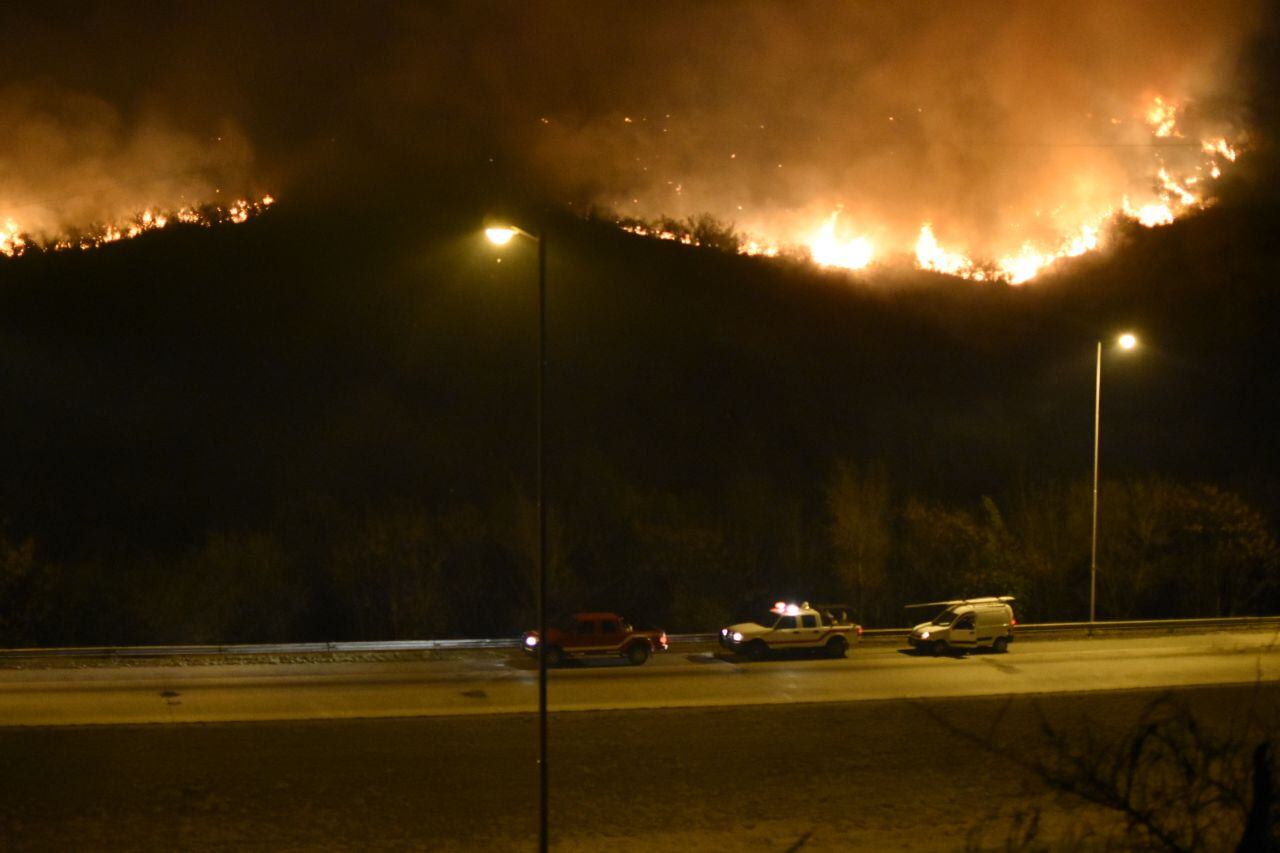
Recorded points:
(597, 635)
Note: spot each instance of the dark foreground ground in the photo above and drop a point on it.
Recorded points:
(869, 775)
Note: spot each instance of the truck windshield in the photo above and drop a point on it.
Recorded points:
(946, 617)
(768, 620)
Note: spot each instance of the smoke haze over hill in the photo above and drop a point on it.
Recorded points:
(996, 122)
(69, 161)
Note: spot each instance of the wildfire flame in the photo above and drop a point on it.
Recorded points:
(827, 250)
(1176, 190)
(660, 234)
(931, 256)
(1163, 118)
(1219, 147)
(11, 239)
(15, 240)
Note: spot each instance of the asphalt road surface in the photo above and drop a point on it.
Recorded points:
(505, 682)
(691, 752)
(876, 775)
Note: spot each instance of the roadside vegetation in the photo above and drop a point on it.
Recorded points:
(318, 572)
(301, 429)
(1180, 777)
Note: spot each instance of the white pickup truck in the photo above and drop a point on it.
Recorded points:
(824, 628)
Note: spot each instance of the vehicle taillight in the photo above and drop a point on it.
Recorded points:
(859, 630)
(1012, 621)
(663, 639)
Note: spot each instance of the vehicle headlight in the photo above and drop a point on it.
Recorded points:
(531, 641)
(737, 636)
(924, 635)
(724, 632)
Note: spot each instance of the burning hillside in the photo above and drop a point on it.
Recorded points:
(982, 140)
(14, 240)
(1181, 171)
(77, 173)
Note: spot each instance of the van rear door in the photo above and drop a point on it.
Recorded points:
(991, 624)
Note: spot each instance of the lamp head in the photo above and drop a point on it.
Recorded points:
(500, 235)
(1128, 340)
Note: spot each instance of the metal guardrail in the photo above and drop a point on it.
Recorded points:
(1045, 629)
(231, 650)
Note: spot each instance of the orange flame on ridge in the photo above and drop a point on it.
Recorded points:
(15, 241)
(1180, 184)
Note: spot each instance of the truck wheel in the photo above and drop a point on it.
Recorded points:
(757, 650)
(638, 653)
(555, 656)
(1001, 645)
(940, 648)
(836, 647)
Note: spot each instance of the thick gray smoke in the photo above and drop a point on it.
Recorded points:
(992, 120)
(70, 161)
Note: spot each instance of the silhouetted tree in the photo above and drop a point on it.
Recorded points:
(946, 553)
(861, 536)
(1051, 523)
(1173, 549)
(25, 603)
(389, 566)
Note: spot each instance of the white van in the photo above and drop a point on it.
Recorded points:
(965, 624)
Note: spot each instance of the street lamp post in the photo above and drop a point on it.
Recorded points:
(1126, 341)
(500, 236)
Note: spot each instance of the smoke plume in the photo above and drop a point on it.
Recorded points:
(998, 123)
(71, 161)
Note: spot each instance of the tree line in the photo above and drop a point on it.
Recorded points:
(690, 563)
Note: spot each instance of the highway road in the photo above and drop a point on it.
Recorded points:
(689, 752)
(833, 776)
(502, 682)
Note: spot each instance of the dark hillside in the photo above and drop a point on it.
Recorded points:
(306, 372)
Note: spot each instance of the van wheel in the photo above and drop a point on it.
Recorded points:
(940, 648)
(1001, 645)
(836, 647)
(638, 654)
(757, 650)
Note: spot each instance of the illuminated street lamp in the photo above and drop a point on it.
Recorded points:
(501, 235)
(1127, 341)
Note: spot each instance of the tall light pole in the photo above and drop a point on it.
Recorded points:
(1127, 341)
(500, 236)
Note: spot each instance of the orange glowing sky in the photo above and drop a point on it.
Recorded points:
(983, 138)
